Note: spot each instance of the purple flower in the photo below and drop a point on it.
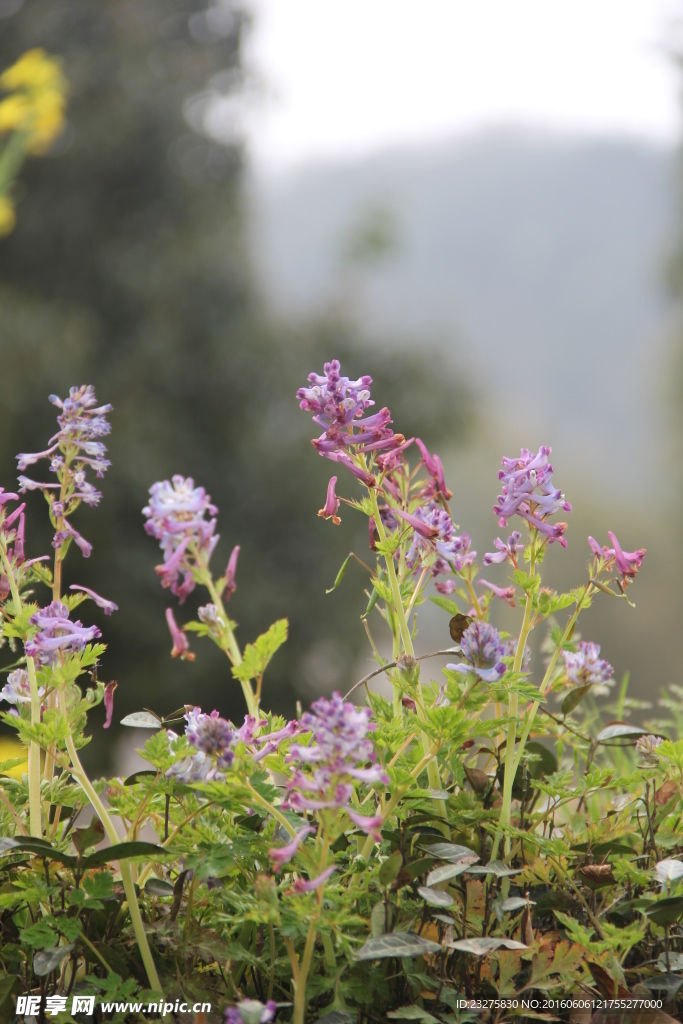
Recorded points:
(107, 606)
(109, 702)
(230, 572)
(482, 649)
(527, 491)
(338, 405)
(282, 855)
(67, 534)
(251, 1011)
(628, 563)
(331, 506)
(504, 593)
(435, 534)
(505, 551)
(341, 754)
(176, 518)
(181, 645)
(211, 735)
(445, 587)
(17, 689)
(434, 466)
(300, 885)
(585, 667)
(57, 634)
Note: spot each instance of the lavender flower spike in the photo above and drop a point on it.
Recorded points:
(107, 606)
(57, 634)
(283, 854)
(331, 506)
(527, 490)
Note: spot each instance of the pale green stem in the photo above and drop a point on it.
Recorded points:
(305, 965)
(124, 867)
(508, 778)
(262, 802)
(432, 767)
(34, 812)
(233, 651)
(546, 679)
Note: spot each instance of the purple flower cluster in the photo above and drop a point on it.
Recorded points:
(527, 491)
(75, 448)
(626, 562)
(482, 651)
(585, 667)
(434, 532)
(505, 551)
(434, 466)
(338, 405)
(211, 735)
(214, 739)
(57, 635)
(340, 755)
(176, 517)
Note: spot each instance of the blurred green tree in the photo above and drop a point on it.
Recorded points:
(128, 269)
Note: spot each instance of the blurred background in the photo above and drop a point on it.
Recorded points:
(477, 204)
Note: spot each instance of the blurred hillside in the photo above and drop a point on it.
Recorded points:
(535, 260)
(536, 263)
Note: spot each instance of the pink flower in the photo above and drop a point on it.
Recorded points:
(434, 466)
(504, 593)
(230, 585)
(627, 562)
(331, 506)
(283, 854)
(109, 702)
(181, 645)
(107, 606)
(314, 883)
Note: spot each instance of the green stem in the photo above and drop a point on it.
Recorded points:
(124, 867)
(232, 649)
(546, 678)
(300, 983)
(35, 822)
(508, 778)
(262, 802)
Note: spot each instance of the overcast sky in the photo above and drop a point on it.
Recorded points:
(345, 77)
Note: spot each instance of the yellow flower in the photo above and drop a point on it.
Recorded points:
(11, 748)
(36, 106)
(7, 216)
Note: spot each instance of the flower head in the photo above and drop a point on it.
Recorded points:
(17, 689)
(57, 635)
(482, 650)
(176, 517)
(251, 1011)
(647, 746)
(505, 551)
(585, 667)
(434, 533)
(211, 735)
(527, 491)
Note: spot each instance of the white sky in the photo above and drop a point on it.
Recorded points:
(345, 77)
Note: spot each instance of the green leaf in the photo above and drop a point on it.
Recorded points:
(158, 887)
(435, 897)
(124, 851)
(513, 903)
(390, 868)
(341, 574)
(445, 603)
(412, 1013)
(619, 731)
(666, 911)
(257, 655)
(99, 886)
(397, 944)
(136, 776)
(529, 584)
(494, 867)
(47, 960)
(447, 851)
(447, 871)
(480, 947)
(574, 698)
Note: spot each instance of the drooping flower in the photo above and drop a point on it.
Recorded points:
(527, 491)
(482, 651)
(506, 551)
(504, 593)
(57, 635)
(181, 645)
(107, 606)
(585, 667)
(332, 503)
(434, 466)
(176, 517)
(231, 571)
(17, 689)
(314, 883)
(281, 855)
(341, 754)
(251, 1011)
(109, 702)
(627, 562)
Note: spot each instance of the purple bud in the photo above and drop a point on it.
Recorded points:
(181, 645)
(109, 702)
(329, 509)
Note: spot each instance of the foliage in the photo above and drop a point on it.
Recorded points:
(486, 838)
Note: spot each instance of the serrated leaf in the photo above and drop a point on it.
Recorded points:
(445, 603)
(257, 655)
(480, 947)
(447, 871)
(47, 960)
(435, 897)
(142, 720)
(397, 944)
